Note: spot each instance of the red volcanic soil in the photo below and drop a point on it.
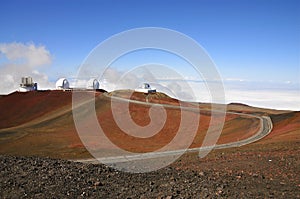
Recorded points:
(286, 128)
(53, 131)
(158, 98)
(231, 132)
(21, 107)
(42, 124)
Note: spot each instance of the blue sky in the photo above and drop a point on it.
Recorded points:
(254, 40)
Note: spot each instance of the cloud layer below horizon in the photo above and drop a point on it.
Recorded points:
(280, 96)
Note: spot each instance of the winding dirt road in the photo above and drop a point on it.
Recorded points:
(266, 127)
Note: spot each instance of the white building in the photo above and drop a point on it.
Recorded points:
(62, 84)
(93, 84)
(27, 84)
(145, 88)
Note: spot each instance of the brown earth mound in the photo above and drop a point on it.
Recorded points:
(286, 128)
(48, 128)
(20, 107)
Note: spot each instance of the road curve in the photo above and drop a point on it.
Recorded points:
(266, 127)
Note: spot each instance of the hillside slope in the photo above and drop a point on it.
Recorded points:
(45, 125)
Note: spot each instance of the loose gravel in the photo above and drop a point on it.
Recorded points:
(35, 177)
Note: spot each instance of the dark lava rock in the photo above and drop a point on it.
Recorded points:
(34, 177)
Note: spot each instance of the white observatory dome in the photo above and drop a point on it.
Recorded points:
(62, 83)
(93, 84)
(145, 88)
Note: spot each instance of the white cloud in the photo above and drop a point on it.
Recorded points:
(31, 55)
(22, 60)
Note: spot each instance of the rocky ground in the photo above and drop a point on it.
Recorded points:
(34, 177)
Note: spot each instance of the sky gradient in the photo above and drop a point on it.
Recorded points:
(249, 41)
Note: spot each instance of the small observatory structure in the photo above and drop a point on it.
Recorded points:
(27, 84)
(62, 84)
(93, 84)
(145, 88)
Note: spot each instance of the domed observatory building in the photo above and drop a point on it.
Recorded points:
(62, 84)
(93, 84)
(27, 84)
(145, 88)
